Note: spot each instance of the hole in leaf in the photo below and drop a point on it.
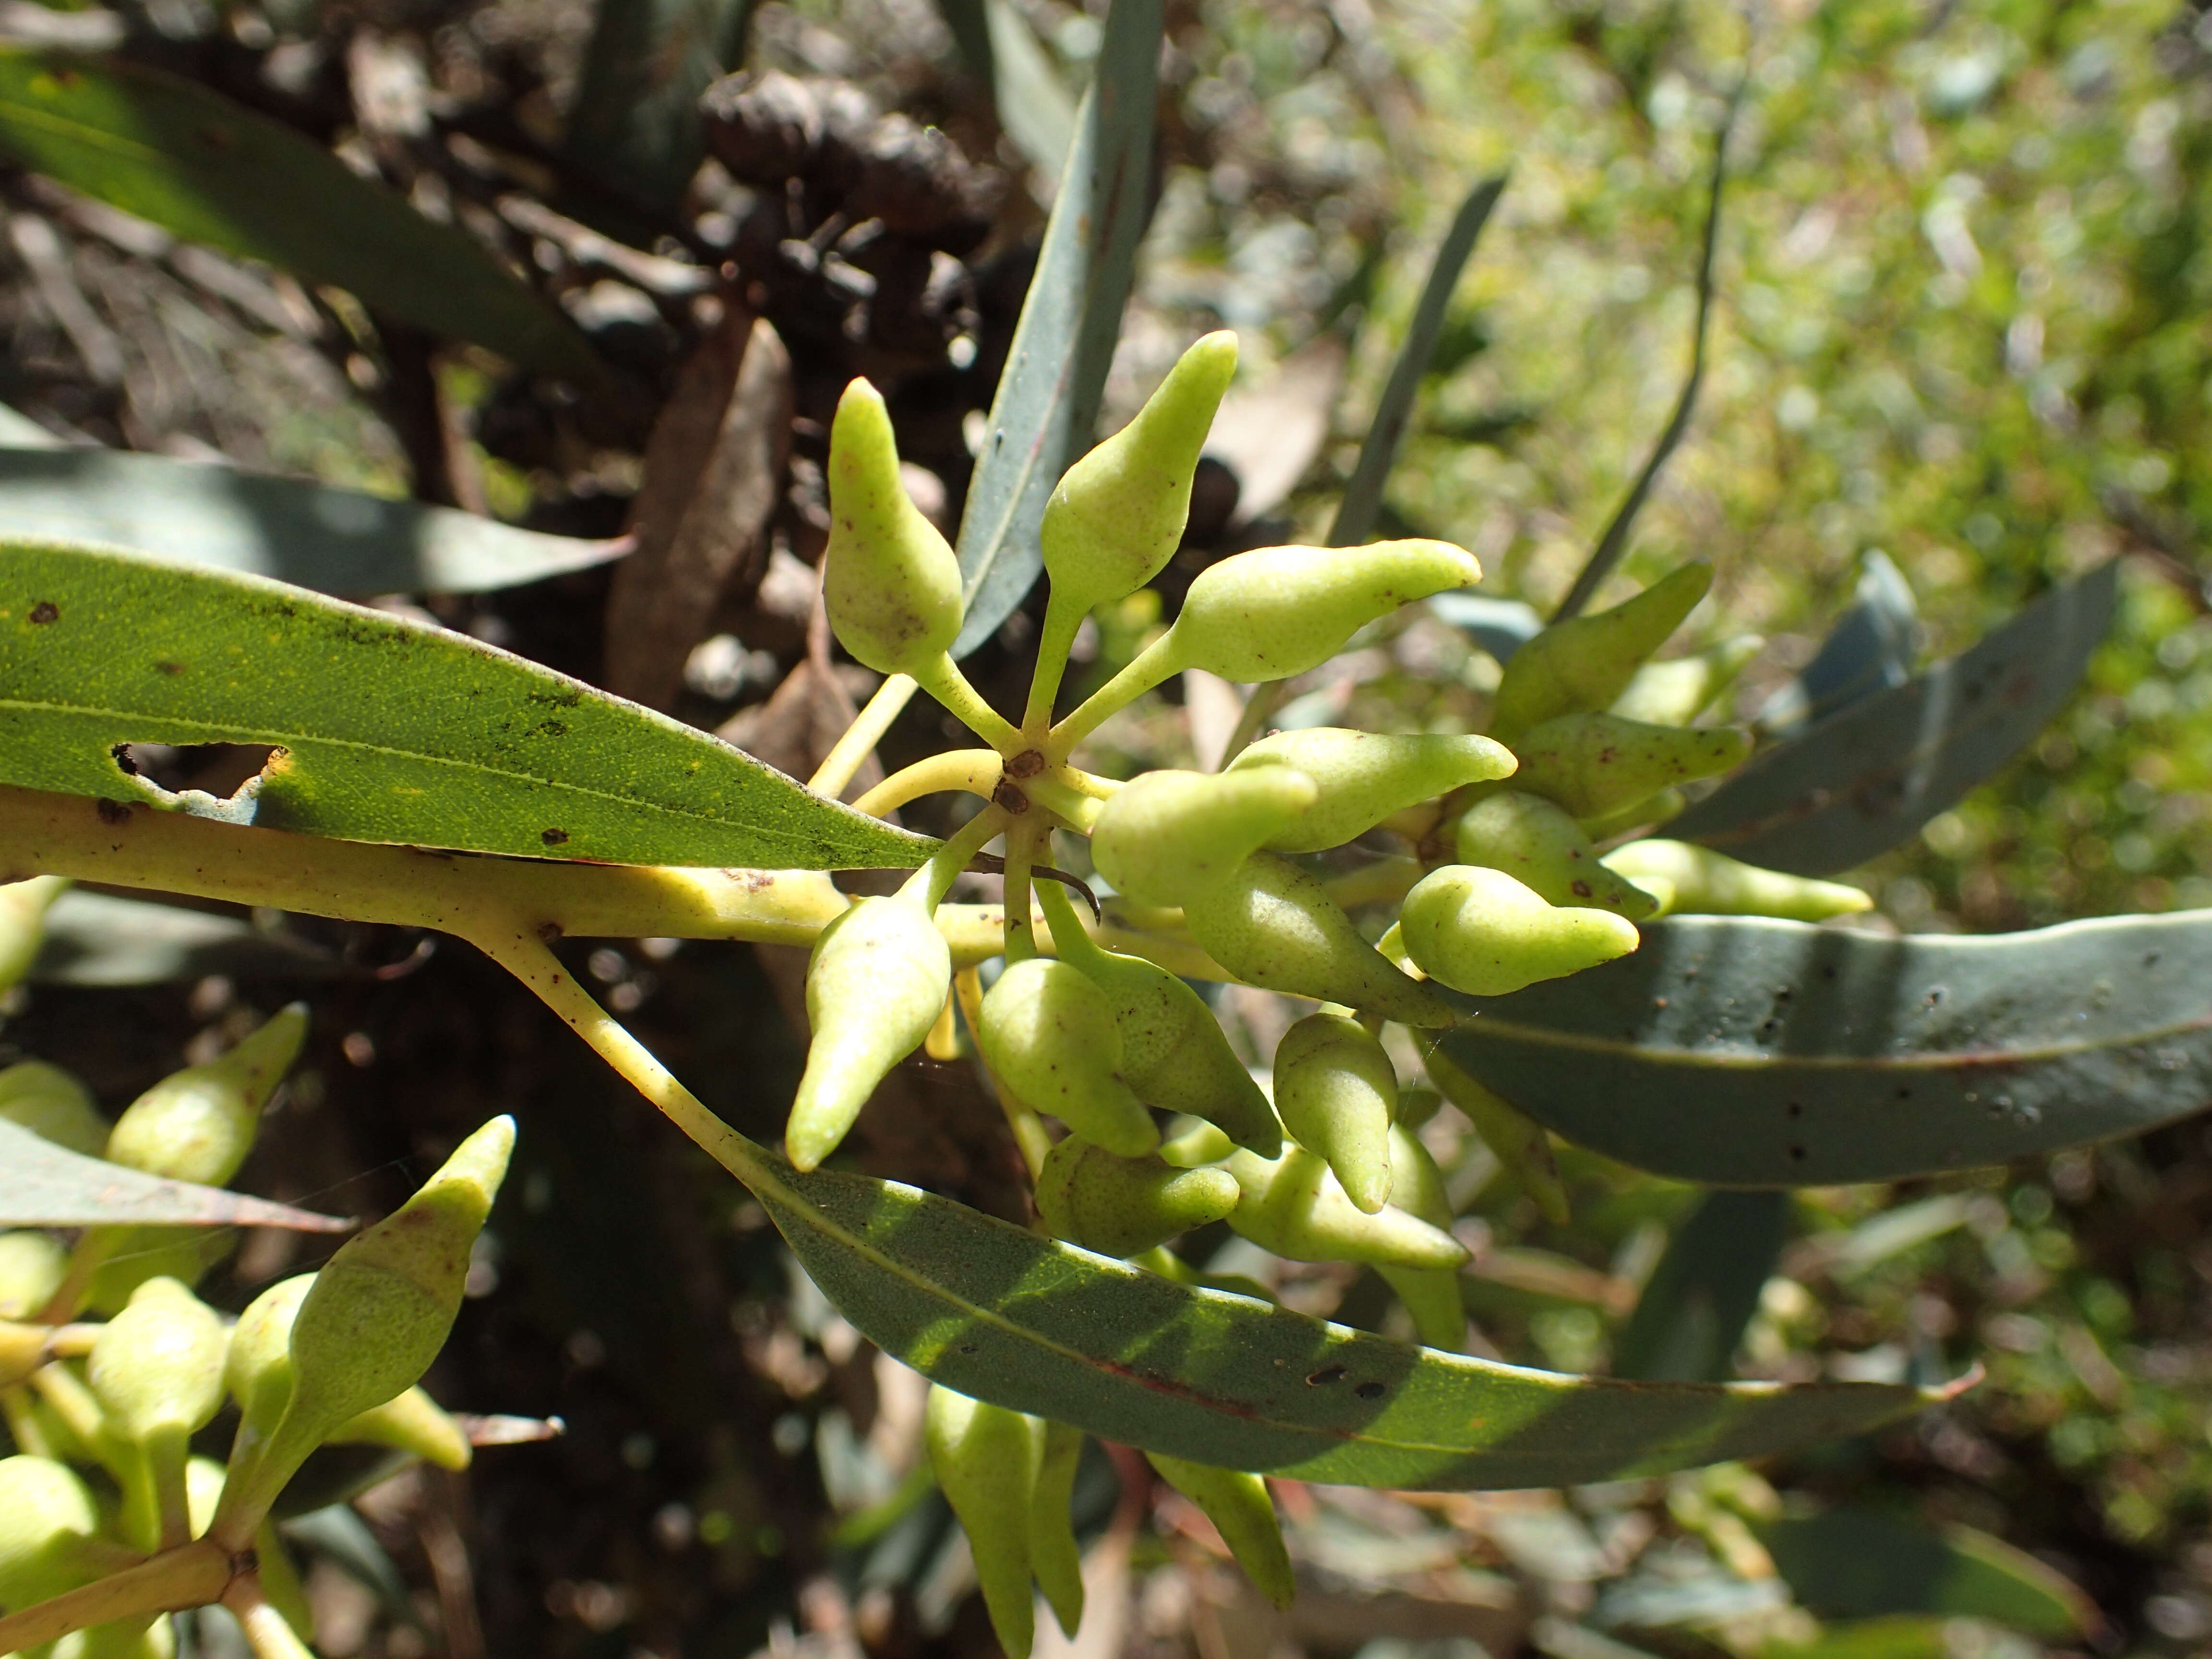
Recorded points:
(219, 769)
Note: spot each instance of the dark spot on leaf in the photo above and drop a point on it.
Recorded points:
(1326, 1375)
(215, 137)
(1903, 1093)
(967, 1347)
(2150, 958)
(112, 811)
(44, 611)
(1369, 1390)
(549, 932)
(554, 837)
(1797, 1154)
(1796, 1109)
(170, 668)
(1658, 1002)
(548, 729)
(1580, 888)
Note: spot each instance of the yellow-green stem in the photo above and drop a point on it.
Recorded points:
(936, 876)
(1146, 670)
(1055, 640)
(944, 681)
(267, 1632)
(170, 1582)
(851, 751)
(1056, 791)
(1023, 840)
(976, 770)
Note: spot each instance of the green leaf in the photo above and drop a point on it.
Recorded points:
(997, 1312)
(1865, 780)
(1704, 1291)
(99, 938)
(212, 171)
(335, 541)
(1363, 495)
(1857, 1563)
(1046, 405)
(635, 126)
(1743, 1052)
(43, 1185)
(393, 731)
(1005, 53)
(1871, 648)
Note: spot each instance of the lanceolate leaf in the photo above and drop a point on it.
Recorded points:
(1704, 1289)
(1871, 648)
(335, 541)
(212, 171)
(1740, 1051)
(635, 126)
(43, 1185)
(1859, 783)
(1047, 397)
(98, 938)
(392, 731)
(997, 1312)
(1857, 1563)
(1363, 496)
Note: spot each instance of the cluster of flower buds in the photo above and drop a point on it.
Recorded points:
(1164, 1129)
(331, 1357)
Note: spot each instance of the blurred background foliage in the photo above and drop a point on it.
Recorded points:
(1964, 316)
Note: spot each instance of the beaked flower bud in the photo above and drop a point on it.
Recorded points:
(32, 1264)
(1168, 836)
(1117, 516)
(49, 1531)
(1122, 1206)
(1365, 776)
(23, 907)
(1173, 1053)
(158, 1365)
(1277, 612)
(1431, 1295)
(875, 985)
(1055, 1557)
(1295, 1208)
(1337, 1093)
(1701, 882)
(1481, 932)
(1594, 764)
(199, 1124)
(1580, 666)
(1193, 1143)
(1274, 925)
(890, 581)
(1049, 1034)
(411, 1422)
(1540, 844)
(1677, 691)
(1243, 1514)
(47, 1101)
(986, 1460)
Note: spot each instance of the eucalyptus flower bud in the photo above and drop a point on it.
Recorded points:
(47, 1101)
(1055, 1557)
(199, 1124)
(1364, 777)
(49, 1531)
(1169, 836)
(1481, 932)
(1431, 1295)
(411, 1422)
(1277, 612)
(258, 1369)
(1540, 845)
(157, 1368)
(1243, 1514)
(32, 1264)
(1295, 1208)
(1117, 516)
(1702, 882)
(890, 583)
(987, 1460)
(1646, 814)
(370, 1324)
(1123, 1207)
(1049, 1034)
(875, 985)
(1274, 925)
(23, 907)
(1580, 666)
(22, 1350)
(1593, 764)
(1677, 691)
(1519, 1142)
(1337, 1093)
(1193, 1143)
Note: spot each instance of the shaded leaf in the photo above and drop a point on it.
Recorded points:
(98, 938)
(1704, 1291)
(997, 1312)
(43, 1185)
(1746, 1052)
(392, 731)
(335, 541)
(1856, 1564)
(212, 171)
(1046, 405)
(1363, 494)
(1872, 648)
(635, 126)
(1867, 778)
(1005, 55)
(1501, 627)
